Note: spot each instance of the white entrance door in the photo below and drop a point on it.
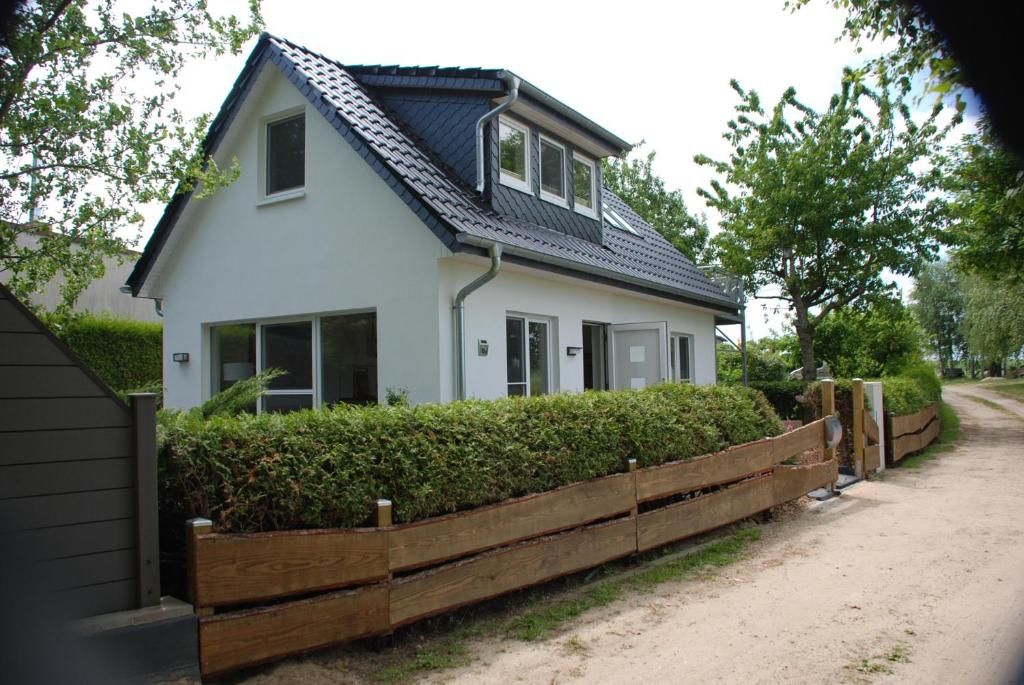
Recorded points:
(639, 354)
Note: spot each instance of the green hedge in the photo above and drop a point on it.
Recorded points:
(782, 395)
(127, 354)
(324, 468)
(911, 391)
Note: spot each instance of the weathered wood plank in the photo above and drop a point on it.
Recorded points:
(30, 348)
(47, 381)
(872, 457)
(448, 537)
(12, 320)
(250, 567)
(29, 480)
(60, 510)
(791, 482)
(62, 413)
(929, 434)
(245, 638)
(870, 427)
(685, 519)
(701, 472)
(500, 571)
(904, 445)
(797, 441)
(33, 447)
(914, 423)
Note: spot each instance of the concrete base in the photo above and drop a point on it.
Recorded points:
(152, 645)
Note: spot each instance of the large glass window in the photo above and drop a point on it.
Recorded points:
(289, 347)
(528, 349)
(286, 154)
(348, 345)
(583, 185)
(233, 355)
(552, 169)
(513, 143)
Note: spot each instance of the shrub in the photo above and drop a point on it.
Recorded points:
(782, 395)
(126, 354)
(323, 468)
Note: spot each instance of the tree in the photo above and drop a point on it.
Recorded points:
(88, 130)
(994, 318)
(985, 206)
(633, 179)
(819, 205)
(938, 305)
(763, 364)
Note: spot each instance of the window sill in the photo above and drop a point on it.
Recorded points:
(515, 184)
(589, 213)
(555, 200)
(282, 197)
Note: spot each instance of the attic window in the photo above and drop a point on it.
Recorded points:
(513, 143)
(583, 185)
(613, 219)
(286, 154)
(552, 171)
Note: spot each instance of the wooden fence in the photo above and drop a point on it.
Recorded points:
(911, 432)
(323, 587)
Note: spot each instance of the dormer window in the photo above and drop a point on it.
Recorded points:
(583, 181)
(286, 155)
(513, 142)
(552, 171)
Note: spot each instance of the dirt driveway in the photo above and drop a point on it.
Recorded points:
(914, 578)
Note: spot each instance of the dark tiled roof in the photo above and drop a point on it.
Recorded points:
(451, 209)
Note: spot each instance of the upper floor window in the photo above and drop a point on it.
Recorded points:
(583, 180)
(286, 154)
(552, 170)
(513, 144)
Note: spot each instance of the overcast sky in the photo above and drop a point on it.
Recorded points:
(653, 71)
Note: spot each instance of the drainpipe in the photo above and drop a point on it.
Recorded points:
(513, 94)
(460, 319)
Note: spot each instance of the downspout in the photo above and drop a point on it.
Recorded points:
(460, 319)
(513, 94)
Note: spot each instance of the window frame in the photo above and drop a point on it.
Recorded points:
(503, 177)
(674, 357)
(552, 357)
(561, 201)
(594, 199)
(265, 197)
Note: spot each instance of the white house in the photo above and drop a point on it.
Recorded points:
(369, 199)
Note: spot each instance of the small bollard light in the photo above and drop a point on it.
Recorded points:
(833, 431)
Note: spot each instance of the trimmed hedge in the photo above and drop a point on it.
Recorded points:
(125, 353)
(782, 395)
(324, 468)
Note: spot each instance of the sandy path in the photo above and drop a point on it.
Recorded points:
(926, 562)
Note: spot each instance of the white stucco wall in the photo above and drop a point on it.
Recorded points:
(567, 300)
(349, 244)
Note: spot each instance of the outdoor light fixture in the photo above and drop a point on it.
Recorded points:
(573, 351)
(833, 431)
(482, 347)
(180, 357)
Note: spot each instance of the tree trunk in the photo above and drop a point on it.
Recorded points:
(805, 334)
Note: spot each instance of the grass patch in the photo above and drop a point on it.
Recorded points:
(1012, 389)
(539, 623)
(949, 433)
(989, 403)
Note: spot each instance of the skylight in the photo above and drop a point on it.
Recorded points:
(613, 219)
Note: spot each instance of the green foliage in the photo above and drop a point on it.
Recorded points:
(782, 395)
(912, 391)
(763, 363)
(635, 182)
(240, 397)
(938, 305)
(818, 205)
(324, 468)
(89, 132)
(994, 317)
(127, 354)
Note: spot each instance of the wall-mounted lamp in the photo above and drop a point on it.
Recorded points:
(180, 357)
(482, 347)
(573, 351)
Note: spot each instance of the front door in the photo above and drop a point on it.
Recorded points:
(639, 354)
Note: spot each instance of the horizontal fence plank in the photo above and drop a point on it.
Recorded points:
(60, 510)
(13, 320)
(27, 480)
(722, 467)
(913, 423)
(89, 569)
(904, 445)
(871, 427)
(929, 434)
(83, 538)
(872, 457)
(245, 638)
(791, 482)
(439, 539)
(60, 413)
(249, 567)
(796, 442)
(495, 573)
(30, 348)
(695, 516)
(33, 447)
(119, 595)
(47, 381)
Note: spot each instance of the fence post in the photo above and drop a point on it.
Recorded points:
(383, 519)
(193, 529)
(858, 428)
(147, 540)
(889, 449)
(828, 408)
(635, 511)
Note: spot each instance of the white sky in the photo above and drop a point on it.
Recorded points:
(657, 71)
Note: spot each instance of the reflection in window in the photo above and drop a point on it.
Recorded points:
(538, 358)
(528, 349)
(349, 358)
(552, 169)
(583, 183)
(286, 154)
(516, 360)
(233, 355)
(513, 146)
(289, 347)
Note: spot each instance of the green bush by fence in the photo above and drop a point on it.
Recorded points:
(324, 468)
(782, 395)
(125, 353)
